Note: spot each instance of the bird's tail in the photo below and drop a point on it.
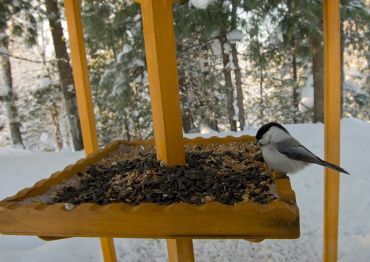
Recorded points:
(332, 166)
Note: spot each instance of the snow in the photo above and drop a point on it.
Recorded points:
(201, 4)
(235, 36)
(126, 49)
(138, 62)
(216, 47)
(4, 90)
(20, 168)
(227, 48)
(305, 104)
(307, 98)
(46, 82)
(4, 50)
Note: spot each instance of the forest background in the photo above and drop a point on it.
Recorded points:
(241, 63)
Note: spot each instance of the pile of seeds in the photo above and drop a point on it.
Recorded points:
(228, 173)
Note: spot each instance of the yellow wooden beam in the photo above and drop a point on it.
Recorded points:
(83, 94)
(180, 250)
(160, 50)
(332, 126)
(81, 75)
(107, 246)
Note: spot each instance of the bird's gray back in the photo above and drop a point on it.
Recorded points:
(295, 150)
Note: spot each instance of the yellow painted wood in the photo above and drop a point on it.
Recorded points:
(180, 250)
(160, 51)
(81, 75)
(246, 220)
(109, 253)
(332, 126)
(83, 94)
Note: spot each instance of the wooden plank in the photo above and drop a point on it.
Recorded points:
(160, 50)
(249, 220)
(332, 126)
(81, 75)
(83, 94)
(180, 250)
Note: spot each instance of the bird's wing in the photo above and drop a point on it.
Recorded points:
(295, 150)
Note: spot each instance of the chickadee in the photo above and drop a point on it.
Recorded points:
(285, 154)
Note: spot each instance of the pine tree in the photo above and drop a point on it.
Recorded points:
(119, 78)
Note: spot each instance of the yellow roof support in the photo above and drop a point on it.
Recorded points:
(81, 75)
(160, 49)
(83, 94)
(332, 126)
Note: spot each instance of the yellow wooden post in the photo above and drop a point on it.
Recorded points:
(81, 75)
(160, 51)
(180, 250)
(83, 94)
(332, 126)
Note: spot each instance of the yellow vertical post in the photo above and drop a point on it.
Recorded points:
(83, 94)
(332, 126)
(180, 250)
(160, 51)
(81, 75)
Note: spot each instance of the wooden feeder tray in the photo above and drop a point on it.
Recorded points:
(278, 219)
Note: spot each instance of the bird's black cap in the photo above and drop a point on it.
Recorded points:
(263, 129)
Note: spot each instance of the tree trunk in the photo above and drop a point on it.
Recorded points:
(261, 93)
(186, 122)
(9, 98)
(341, 68)
(228, 83)
(65, 72)
(295, 86)
(208, 87)
(237, 73)
(127, 127)
(55, 120)
(317, 52)
(239, 87)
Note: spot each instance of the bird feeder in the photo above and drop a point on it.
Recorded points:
(245, 220)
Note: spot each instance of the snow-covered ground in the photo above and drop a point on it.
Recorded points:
(20, 169)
